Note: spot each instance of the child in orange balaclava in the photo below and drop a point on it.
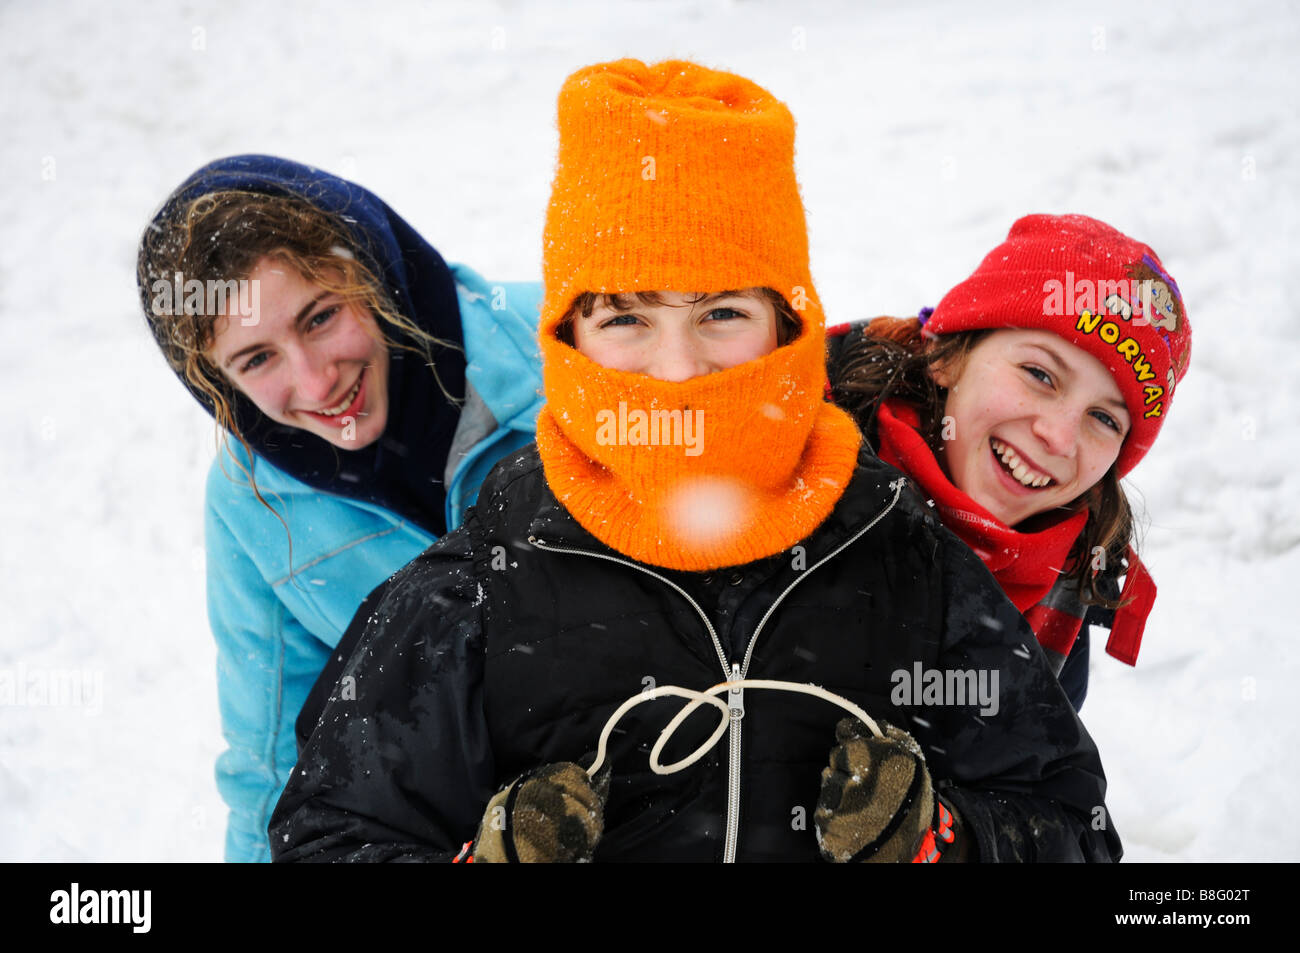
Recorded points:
(695, 513)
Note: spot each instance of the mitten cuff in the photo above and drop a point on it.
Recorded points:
(944, 842)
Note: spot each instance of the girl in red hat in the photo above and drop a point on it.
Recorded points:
(1019, 403)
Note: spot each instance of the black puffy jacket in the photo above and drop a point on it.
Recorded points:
(508, 643)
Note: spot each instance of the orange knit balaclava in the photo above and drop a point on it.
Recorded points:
(674, 177)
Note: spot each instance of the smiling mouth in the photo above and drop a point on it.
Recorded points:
(343, 404)
(1017, 469)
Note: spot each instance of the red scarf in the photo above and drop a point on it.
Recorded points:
(1026, 565)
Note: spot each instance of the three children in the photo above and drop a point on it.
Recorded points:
(602, 563)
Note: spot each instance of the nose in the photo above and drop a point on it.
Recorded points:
(315, 376)
(1058, 432)
(678, 356)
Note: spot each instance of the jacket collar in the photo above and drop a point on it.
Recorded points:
(870, 491)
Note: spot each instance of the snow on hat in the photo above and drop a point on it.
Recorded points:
(673, 176)
(1096, 288)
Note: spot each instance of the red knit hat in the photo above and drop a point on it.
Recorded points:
(1098, 289)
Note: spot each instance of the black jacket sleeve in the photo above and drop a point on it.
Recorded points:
(399, 766)
(1022, 771)
(319, 696)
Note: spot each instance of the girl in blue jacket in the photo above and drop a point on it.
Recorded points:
(368, 387)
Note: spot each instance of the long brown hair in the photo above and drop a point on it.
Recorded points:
(891, 359)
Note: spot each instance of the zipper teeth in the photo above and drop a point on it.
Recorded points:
(749, 651)
(733, 795)
(717, 643)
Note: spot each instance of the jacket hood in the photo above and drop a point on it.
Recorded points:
(403, 469)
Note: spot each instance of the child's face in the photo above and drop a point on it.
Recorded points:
(1034, 423)
(311, 360)
(679, 338)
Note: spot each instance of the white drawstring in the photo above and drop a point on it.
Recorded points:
(706, 696)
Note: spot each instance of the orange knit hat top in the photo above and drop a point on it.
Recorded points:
(674, 177)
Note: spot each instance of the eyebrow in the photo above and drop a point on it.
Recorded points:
(1064, 371)
(729, 294)
(302, 313)
(610, 301)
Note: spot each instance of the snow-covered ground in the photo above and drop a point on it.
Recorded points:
(924, 131)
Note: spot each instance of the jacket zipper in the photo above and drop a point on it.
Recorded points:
(735, 671)
(737, 702)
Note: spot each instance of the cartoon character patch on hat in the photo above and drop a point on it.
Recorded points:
(1161, 302)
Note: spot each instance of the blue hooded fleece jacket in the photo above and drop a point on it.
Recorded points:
(279, 601)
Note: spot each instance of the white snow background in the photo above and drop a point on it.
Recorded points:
(924, 131)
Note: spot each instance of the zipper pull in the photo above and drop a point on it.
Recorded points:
(736, 696)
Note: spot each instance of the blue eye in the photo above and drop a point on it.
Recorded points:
(254, 362)
(620, 320)
(1038, 374)
(1108, 420)
(726, 314)
(321, 317)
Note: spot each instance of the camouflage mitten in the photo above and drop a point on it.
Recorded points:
(553, 814)
(877, 802)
